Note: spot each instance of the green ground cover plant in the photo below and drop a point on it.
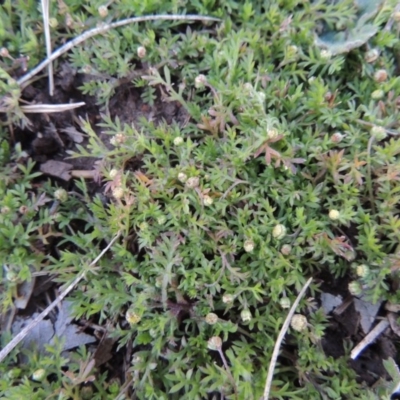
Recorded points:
(285, 167)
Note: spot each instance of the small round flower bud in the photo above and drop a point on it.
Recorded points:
(349, 255)
(53, 22)
(245, 315)
(380, 75)
(261, 96)
(211, 318)
(178, 141)
(379, 132)
(200, 81)
(4, 52)
(298, 322)
(292, 50)
(103, 11)
(23, 210)
(334, 215)
(192, 182)
(5, 210)
(39, 375)
(396, 16)
(182, 177)
(207, 200)
(362, 270)
(118, 192)
(279, 231)
(87, 69)
(377, 94)
(272, 133)
(371, 55)
(153, 333)
(214, 343)
(13, 373)
(141, 52)
(248, 246)
(355, 288)
(11, 276)
(284, 302)
(120, 138)
(61, 195)
(337, 137)
(143, 226)
(56, 216)
(227, 299)
(286, 249)
(248, 87)
(161, 220)
(328, 96)
(325, 54)
(113, 173)
(132, 317)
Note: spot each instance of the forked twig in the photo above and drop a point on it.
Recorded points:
(104, 28)
(17, 339)
(278, 342)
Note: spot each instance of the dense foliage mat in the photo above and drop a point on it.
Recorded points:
(278, 162)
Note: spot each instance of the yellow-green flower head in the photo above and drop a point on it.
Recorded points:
(211, 318)
(214, 343)
(245, 315)
(298, 322)
(279, 231)
(248, 246)
(132, 317)
(334, 215)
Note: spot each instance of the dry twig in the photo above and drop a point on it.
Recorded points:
(369, 338)
(46, 29)
(102, 29)
(278, 342)
(50, 108)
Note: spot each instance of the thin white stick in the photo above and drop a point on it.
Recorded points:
(50, 108)
(14, 342)
(104, 28)
(369, 338)
(47, 37)
(278, 342)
